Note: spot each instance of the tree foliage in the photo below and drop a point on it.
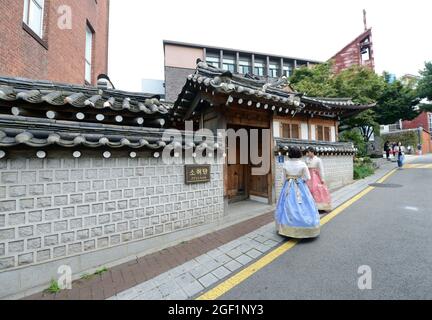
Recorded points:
(425, 84)
(394, 101)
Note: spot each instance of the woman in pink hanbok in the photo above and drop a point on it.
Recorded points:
(316, 184)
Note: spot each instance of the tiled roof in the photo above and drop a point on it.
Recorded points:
(41, 114)
(57, 94)
(278, 95)
(322, 148)
(40, 133)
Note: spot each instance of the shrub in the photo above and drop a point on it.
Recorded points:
(362, 171)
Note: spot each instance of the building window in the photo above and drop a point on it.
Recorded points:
(34, 15)
(273, 71)
(259, 69)
(245, 67)
(290, 131)
(229, 64)
(88, 54)
(323, 133)
(287, 70)
(213, 61)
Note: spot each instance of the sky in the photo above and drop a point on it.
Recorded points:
(311, 29)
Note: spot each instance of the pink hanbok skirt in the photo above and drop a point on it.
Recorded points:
(319, 191)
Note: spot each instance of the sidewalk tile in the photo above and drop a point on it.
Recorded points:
(168, 288)
(193, 288)
(244, 259)
(184, 279)
(234, 253)
(199, 271)
(208, 280)
(223, 259)
(221, 272)
(233, 265)
(254, 253)
(178, 295)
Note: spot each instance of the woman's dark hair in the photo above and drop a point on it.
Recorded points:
(311, 149)
(295, 153)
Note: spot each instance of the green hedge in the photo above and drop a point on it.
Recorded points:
(408, 138)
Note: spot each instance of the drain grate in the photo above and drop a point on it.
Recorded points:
(386, 185)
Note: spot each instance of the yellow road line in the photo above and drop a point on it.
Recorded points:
(241, 276)
(418, 166)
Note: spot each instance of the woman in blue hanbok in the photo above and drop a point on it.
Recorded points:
(296, 213)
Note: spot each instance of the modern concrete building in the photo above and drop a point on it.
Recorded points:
(181, 58)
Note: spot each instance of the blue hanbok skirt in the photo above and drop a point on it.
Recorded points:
(296, 213)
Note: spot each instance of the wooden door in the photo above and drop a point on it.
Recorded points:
(258, 185)
(237, 180)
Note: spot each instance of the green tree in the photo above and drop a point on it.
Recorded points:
(425, 83)
(316, 81)
(361, 84)
(356, 138)
(396, 102)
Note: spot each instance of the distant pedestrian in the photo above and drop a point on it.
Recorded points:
(316, 184)
(400, 155)
(393, 150)
(387, 149)
(296, 213)
(420, 149)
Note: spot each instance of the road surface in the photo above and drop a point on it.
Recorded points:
(389, 231)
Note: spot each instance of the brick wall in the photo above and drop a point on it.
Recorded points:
(426, 142)
(339, 171)
(60, 207)
(64, 60)
(175, 79)
(421, 121)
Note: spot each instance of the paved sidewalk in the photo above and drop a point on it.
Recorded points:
(204, 272)
(132, 273)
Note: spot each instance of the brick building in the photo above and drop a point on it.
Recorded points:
(424, 120)
(55, 40)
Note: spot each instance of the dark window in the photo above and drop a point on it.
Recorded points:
(327, 134)
(213, 61)
(245, 67)
(288, 70)
(259, 68)
(273, 71)
(229, 64)
(290, 131)
(320, 133)
(323, 133)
